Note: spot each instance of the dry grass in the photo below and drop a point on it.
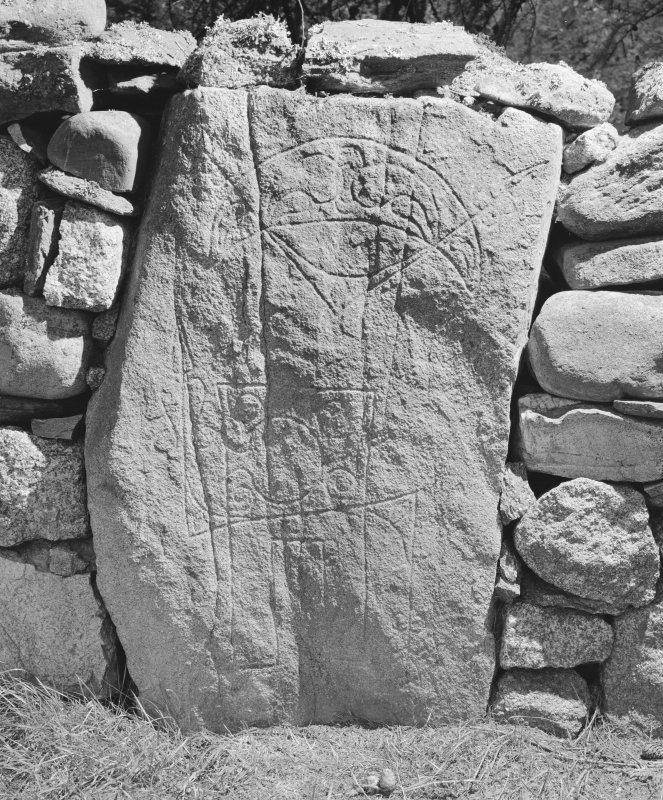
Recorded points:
(52, 747)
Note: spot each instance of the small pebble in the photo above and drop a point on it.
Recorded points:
(387, 782)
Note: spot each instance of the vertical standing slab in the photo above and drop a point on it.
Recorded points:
(294, 461)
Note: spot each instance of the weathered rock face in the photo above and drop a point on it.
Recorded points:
(44, 352)
(594, 145)
(42, 489)
(588, 265)
(42, 245)
(42, 79)
(247, 52)
(110, 148)
(516, 496)
(308, 396)
(645, 102)
(555, 90)
(51, 627)
(593, 540)
(535, 637)
(579, 440)
(52, 21)
(377, 56)
(555, 700)
(93, 248)
(18, 190)
(621, 197)
(139, 44)
(599, 346)
(632, 677)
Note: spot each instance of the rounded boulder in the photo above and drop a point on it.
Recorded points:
(593, 540)
(44, 352)
(110, 148)
(599, 346)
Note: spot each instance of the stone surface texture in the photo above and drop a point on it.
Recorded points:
(591, 265)
(42, 489)
(632, 678)
(67, 428)
(534, 637)
(111, 148)
(639, 408)
(51, 627)
(376, 56)
(44, 351)
(42, 79)
(51, 21)
(592, 146)
(139, 44)
(554, 700)
(66, 558)
(623, 196)
(93, 248)
(18, 190)
(654, 494)
(599, 346)
(516, 496)
(247, 52)
(592, 539)
(541, 593)
(645, 101)
(42, 244)
(104, 326)
(555, 90)
(88, 192)
(579, 440)
(294, 462)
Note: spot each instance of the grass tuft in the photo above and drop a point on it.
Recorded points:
(57, 748)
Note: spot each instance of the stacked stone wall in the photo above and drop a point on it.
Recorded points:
(297, 285)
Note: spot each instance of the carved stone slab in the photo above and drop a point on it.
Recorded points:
(294, 461)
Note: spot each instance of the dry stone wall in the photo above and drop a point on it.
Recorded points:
(295, 285)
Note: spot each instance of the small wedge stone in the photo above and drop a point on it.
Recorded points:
(65, 428)
(43, 244)
(516, 496)
(639, 408)
(88, 192)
